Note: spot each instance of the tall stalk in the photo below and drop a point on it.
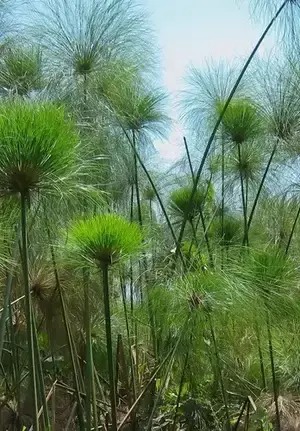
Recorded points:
(218, 360)
(261, 185)
(73, 355)
(223, 197)
(131, 264)
(244, 193)
(40, 380)
(90, 381)
(167, 373)
(189, 158)
(168, 221)
(146, 388)
(6, 302)
(261, 359)
(153, 252)
(292, 232)
(274, 381)
(133, 377)
(15, 360)
(180, 390)
(136, 180)
(201, 215)
(144, 259)
(28, 310)
(110, 361)
(132, 397)
(219, 121)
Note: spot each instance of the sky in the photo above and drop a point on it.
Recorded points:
(190, 32)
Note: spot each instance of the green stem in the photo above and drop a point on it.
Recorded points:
(144, 260)
(218, 360)
(146, 388)
(136, 180)
(292, 231)
(261, 359)
(32, 375)
(166, 376)
(244, 198)
(223, 199)
(41, 384)
(209, 251)
(244, 407)
(274, 381)
(195, 241)
(152, 185)
(219, 121)
(7, 299)
(15, 360)
(180, 390)
(133, 377)
(73, 355)
(201, 215)
(90, 382)
(261, 185)
(153, 253)
(189, 158)
(85, 91)
(110, 361)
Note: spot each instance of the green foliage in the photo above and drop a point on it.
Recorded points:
(37, 147)
(149, 194)
(106, 238)
(84, 35)
(242, 121)
(136, 107)
(247, 164)
(179, 201)
(227, 231)
(269, 267)
(21, 70)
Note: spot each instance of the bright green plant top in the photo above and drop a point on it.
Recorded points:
(106, 238)
(37, 147)
(241, 121)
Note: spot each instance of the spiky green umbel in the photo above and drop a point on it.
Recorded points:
(179, 202)
(228, 232)
(20, 70)
(106, 239)
(149, 194)
(37, 147)
(247, 163)
(241, 121)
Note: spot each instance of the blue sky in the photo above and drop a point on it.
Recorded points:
(194, 31)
